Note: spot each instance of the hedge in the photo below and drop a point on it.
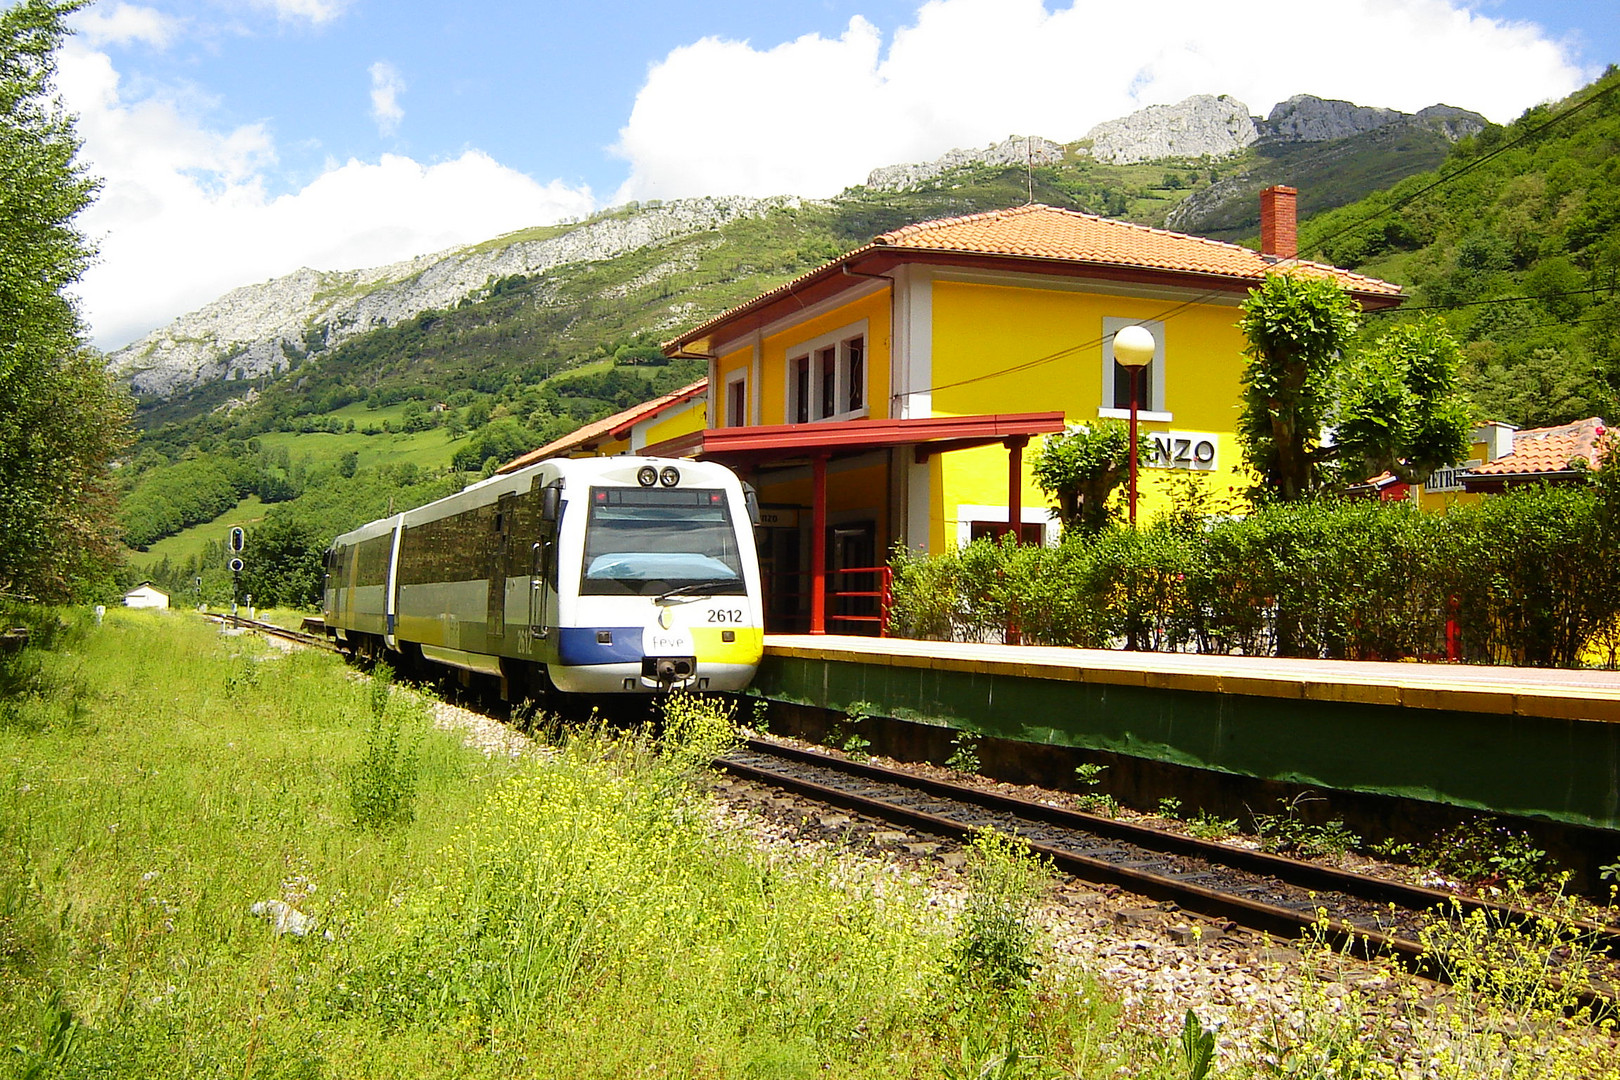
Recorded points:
(1529, 577)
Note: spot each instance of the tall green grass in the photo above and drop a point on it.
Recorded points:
(578, 914)
(582, 912)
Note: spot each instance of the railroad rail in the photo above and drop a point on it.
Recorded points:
(1359, 914)
(316, 641)
(1366, 916)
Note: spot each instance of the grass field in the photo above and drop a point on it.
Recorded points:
(569, 916)
(428, 449)
(197, 539)
(219, 859)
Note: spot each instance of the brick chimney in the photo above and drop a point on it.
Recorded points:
(1279, 237)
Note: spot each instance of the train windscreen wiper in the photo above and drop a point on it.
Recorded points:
(696, 587)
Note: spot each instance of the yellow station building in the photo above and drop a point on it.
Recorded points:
(892, 395)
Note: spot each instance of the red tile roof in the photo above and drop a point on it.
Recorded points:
(1066, 241)
(1544, 451)
(607, 427)
(1046, 232)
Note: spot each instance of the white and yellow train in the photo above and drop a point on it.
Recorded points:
(619, 575)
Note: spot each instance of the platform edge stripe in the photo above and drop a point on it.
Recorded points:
(1560, 706)
(1493, 701)
(1259, 686)
(1197, 681)
(1351, 693)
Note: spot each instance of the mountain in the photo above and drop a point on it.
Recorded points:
(1515, 242)
(1215, 158)
(259, 330)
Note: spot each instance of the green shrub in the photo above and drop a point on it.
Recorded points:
(382, 783)
(996, 935)
(1528, 577)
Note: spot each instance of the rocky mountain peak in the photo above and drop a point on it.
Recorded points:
(1199, 125)
(262, 329)
(1013, 150)
(1306, 118)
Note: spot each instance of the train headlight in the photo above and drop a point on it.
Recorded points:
(670, 476)
(647, 476)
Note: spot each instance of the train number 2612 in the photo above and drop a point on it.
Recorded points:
(725, 615)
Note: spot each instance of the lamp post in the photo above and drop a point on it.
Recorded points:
(1134, 348)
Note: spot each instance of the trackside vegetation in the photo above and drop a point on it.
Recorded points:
(222, 860)
(171, 798)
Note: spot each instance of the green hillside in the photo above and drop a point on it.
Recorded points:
(1515, 242)
(443, 395)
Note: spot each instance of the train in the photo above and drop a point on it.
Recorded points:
(619, 575)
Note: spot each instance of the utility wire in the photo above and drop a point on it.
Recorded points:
(1593, 291)
(1382, 212)
(1456, 174)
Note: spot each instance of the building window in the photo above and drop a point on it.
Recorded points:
(826, 378)
(737, 400)
(1030, 533)
(1116, 382)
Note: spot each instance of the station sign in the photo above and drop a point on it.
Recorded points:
(778, 518)
(1449, 478)
(1183, 450)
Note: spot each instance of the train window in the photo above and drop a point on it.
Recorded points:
(645, 541)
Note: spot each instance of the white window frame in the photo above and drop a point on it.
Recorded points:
(838, 340)
(1153, 380)
(732, 379)
(968, 513)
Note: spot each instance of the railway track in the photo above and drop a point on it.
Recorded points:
(314, 641)
(1366, 916)
(1361, 915)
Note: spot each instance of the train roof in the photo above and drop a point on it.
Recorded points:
(621, 469)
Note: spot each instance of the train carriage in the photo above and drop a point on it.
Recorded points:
(594, 575)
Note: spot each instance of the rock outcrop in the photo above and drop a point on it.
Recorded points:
(1219, 126)
(1200, 125)
(1013, 150)
(1304, 118)
(260, 329)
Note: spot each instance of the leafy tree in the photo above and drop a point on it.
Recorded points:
(60, 419)
(1081, 467)
(1297, 327)
(1396, 405)
(1543, 389)
(1400, 410)
(284, 562)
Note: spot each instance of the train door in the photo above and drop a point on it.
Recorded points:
(543, 563)
(498, 562)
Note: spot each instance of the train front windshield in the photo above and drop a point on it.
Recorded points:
(647, 541)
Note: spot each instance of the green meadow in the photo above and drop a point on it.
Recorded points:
(219, 858)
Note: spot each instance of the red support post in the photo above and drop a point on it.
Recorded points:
(1015, 484)
(818, 545)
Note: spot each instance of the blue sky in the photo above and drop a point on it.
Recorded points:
(240, 139)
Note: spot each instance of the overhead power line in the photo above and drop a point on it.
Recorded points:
(1405, 200)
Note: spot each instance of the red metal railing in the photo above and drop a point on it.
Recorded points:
(861, 595)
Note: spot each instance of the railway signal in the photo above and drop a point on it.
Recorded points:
(238, 539)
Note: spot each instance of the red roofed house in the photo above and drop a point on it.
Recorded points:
(629, 432)
(889, 396)
(1552, 455)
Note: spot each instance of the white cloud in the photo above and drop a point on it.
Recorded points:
(314, 11)
(813, 115)
(126, 24)
(387, 84)
(185, 213)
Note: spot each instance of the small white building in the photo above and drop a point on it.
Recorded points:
(146, 595)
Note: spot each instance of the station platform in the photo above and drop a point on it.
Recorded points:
(1525, 741)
